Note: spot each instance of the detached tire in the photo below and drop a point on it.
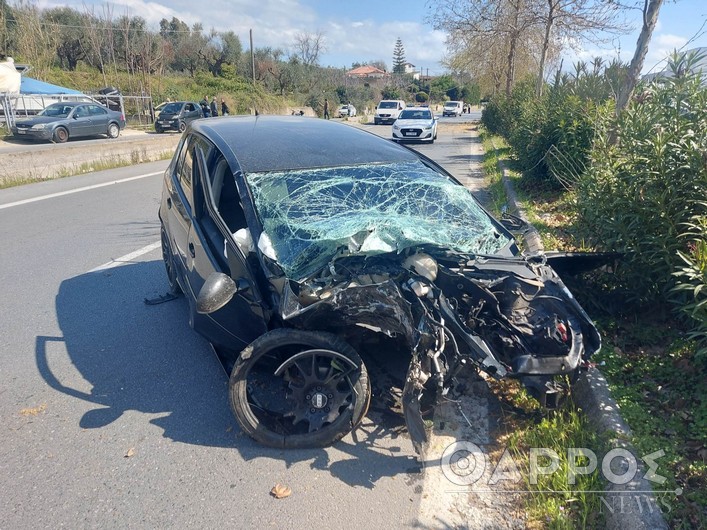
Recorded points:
(299, 389)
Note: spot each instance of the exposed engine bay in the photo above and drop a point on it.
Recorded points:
(509, 317)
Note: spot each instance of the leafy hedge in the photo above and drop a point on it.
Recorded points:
(639, 180)
(644, 194)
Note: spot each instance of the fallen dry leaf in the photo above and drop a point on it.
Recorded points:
(34, 410)
(130, 452)
(280, 491)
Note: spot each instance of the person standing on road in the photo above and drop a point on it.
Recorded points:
(225, 111)
(214, 107)
(205, 109)
(326, 109)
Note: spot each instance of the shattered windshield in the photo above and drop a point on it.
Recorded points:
(313, 215)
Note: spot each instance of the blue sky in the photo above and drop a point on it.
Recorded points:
(366, 30)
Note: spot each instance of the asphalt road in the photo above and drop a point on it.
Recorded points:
(115, 413)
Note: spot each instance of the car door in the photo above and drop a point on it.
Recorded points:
(240, 321)
(80, 123)
(100, 118)
(192, 112)
(179, 207)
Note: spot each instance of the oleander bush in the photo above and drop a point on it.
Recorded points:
(643, 194)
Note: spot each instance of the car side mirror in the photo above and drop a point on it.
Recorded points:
(514, 224)
(217, 291)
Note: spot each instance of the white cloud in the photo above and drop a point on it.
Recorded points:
(659, 50)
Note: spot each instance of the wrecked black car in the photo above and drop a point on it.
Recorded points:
(301, 243)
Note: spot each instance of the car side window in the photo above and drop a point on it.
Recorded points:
(95, 110)
(186, 168)
(81, 112)
(225, 195)
(189, 107)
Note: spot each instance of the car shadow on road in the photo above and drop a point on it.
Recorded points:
(146, 358)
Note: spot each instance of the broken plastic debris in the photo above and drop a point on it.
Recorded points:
(280, 491)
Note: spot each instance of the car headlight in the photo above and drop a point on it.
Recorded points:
(396, 127)
(39, 126)
(428, 126)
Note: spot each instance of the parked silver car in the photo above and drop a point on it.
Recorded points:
(70, 119)
(416, 123)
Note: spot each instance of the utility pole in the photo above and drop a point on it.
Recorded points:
(252, 56)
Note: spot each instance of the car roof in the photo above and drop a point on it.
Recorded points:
(278, 143)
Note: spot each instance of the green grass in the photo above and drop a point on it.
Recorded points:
(555, 502)
(662, 393)
(495, 150)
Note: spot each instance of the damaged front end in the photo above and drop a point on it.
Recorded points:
(510, 317)
(404, 252)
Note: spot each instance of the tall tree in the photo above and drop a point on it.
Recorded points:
(493, 27)
(308, 47)
(35, 44)
(68, 24)
(8, 23)
(399, 57)
(563, 20)
(651, 8)
(221, 48)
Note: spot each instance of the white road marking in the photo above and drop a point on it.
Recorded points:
(77, 190)
(128, 258)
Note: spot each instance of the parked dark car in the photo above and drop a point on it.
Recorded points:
(176, 115)
(297, 256)
(60, 121)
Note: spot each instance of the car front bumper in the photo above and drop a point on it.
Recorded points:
(413, 135)
(32, 134)
(167, 125)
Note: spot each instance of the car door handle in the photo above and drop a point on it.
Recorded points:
(169, 202)
(192, 251)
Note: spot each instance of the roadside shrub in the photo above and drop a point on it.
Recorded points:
(492, 115)
(647, 169)
(503, 114)
(691, 278)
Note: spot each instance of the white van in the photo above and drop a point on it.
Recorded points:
(388, 111)
(453, 108)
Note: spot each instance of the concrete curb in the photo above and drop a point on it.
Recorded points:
(630, 506)
(47, 161)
